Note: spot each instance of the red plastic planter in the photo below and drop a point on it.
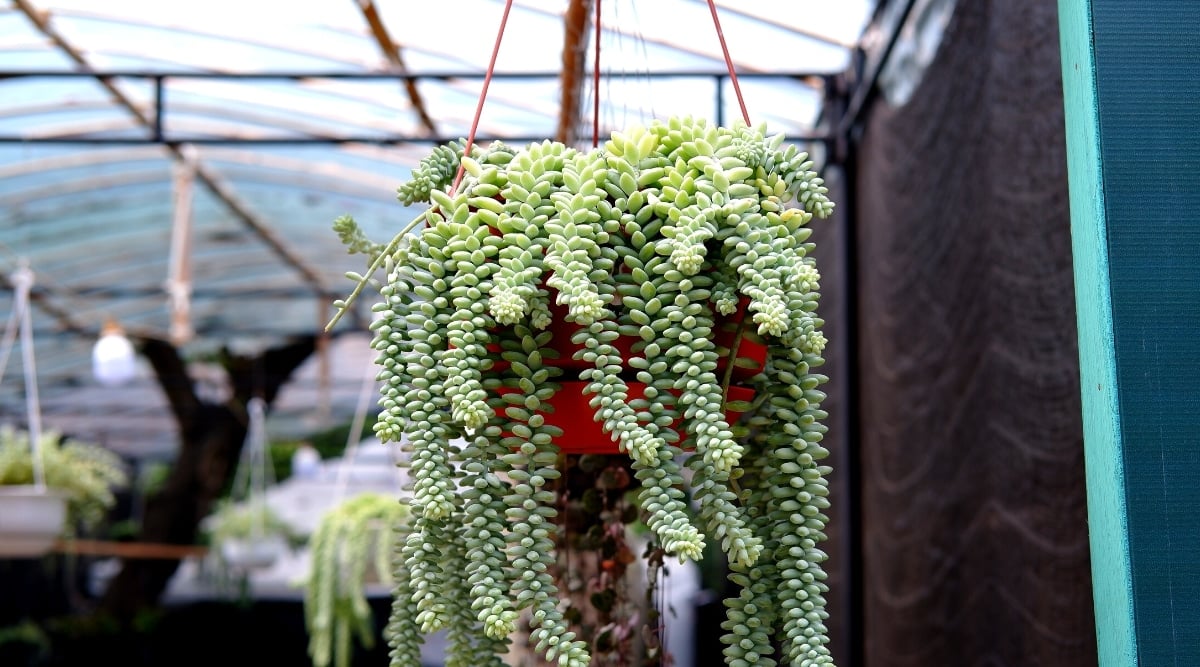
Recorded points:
(564, 330)
(724, 334)
(582, 434)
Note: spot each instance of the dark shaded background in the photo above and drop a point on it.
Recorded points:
(975, 547)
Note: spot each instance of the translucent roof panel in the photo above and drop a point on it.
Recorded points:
(264, 120)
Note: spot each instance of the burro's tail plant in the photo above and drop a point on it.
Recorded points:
(634, 273)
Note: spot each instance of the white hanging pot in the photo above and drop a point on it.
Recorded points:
(32, 519)
(253, 553)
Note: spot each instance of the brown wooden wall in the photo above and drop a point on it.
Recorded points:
(975, 549)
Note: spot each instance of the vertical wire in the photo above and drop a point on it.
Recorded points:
(596, 84)
(10, 336)
(23, 281)
(353, 438)
(487, 80)
(737, 89)
(258, 461)
(241, 482)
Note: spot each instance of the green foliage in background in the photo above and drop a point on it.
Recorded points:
(352, 544)
(329, 443)
(86, 472)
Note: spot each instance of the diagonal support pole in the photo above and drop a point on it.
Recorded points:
(391, 51)
(182, 153)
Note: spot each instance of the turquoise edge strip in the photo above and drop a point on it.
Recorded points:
(1112, 582)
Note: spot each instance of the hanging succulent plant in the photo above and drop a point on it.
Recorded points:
(657, 277)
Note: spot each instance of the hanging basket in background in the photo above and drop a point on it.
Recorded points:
(246, 533)
(77, 490)
(32, 520)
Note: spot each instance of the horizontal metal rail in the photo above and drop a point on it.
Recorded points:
(157, 134)
(442, 75)
(384, 140)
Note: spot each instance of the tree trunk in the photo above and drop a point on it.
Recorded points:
(211, 437)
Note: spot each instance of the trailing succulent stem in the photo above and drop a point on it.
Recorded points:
(530, 505)
(624, 271)
(799, 493)
(353, 540)
(487, 567)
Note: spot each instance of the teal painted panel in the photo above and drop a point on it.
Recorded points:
(1147, 64)
(1111, 576)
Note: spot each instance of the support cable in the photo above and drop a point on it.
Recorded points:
(20, 322)
(487, 80)
(737, 89)
(596, 84)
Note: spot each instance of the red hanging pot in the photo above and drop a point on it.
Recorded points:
(571, 411)
(583, 434)
(751, 355)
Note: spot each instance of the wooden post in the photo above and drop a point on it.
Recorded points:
(179, 269)
(1132, 107)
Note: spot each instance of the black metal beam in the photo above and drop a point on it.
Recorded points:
(864, 89)
(848, 106)
(385, 140)
(444, 75)
(158, 136)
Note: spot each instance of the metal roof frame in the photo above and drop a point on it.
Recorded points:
(158, 135)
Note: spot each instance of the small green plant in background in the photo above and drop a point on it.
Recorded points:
(247, 520)
(87, 473)
(352, 545)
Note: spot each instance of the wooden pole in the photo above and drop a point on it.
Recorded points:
(179, 270)
(130, 549)
(573, 57)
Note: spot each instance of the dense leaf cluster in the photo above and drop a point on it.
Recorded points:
(642, 248)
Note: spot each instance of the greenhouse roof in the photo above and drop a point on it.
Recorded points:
(156, 153)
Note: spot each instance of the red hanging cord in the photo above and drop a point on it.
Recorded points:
(487, 80)
(596, 84)
(712, 6)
